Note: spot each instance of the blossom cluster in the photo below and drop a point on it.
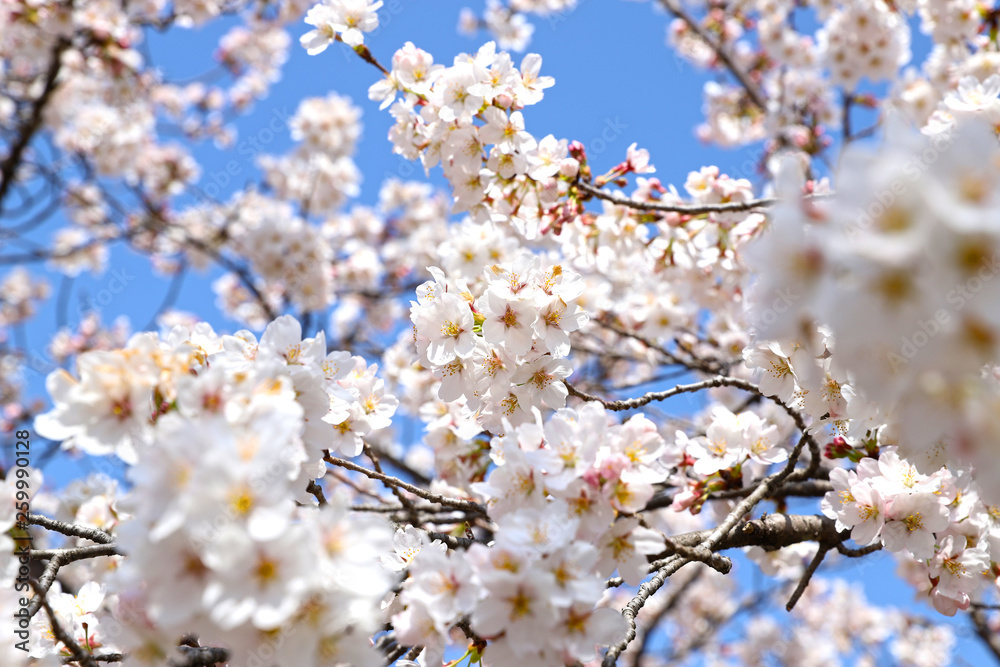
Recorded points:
(939, 519)
(339, 20)
(915, 264)
(222, 434)
(554, 495)
(502, 351)
(117, 402)
(467, 118)
(21, 294)
(868, 315)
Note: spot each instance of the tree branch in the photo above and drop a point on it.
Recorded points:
(67, 556)
(809, 489)
(72, 530)
(807, 576)
(467, 505)
(200, 656)
(717, 381)
(57, 558)
(8, 169)
(686, 209)
(753, 92)
(669, 605)
(673, 563)
(79, 655)
(982, 626)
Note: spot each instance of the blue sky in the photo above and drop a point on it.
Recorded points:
(616, 82)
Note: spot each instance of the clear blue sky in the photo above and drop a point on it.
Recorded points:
(612, 70)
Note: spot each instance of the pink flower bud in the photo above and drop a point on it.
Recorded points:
(569, 167)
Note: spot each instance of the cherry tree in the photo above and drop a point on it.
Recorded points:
(441, 430)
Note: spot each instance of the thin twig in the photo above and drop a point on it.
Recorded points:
(717, 381)
(691, 364)
(630, 611)
(79, 655)
(676, 596)
(673, 563)
(34, 121)
(72, 530)
(808, 489)
(858, 553)
(467, 505)
(57, 558)
(403, 500)
(807, 576)
(721, 53)
(685, 209)
(317, 491)
(70, 555)
(638, 402)
(710, 558)
(982, 626)
(200, 656)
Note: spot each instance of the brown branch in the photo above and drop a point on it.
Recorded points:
(104, 657)
(200, 656)
(699, 553)
(631, 610)
(638, 402)
(686, 209)
(67, 556)
(403, 500)
(34, 121)
(858, 553)
(395, 653)
(79, 655)
(773, 531)
(668, 606)
(397, 462)
(57, 558)
(711, 542)
(812, 488)
(73, 530)
(807, 576)
(720, 381)
(452, 541)
(982, 626)
(721, 53)
(467, 505)
(157, 223)
(46, 254)
(425, 508)
(694, 364)
(470, 634)
(317, 491)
